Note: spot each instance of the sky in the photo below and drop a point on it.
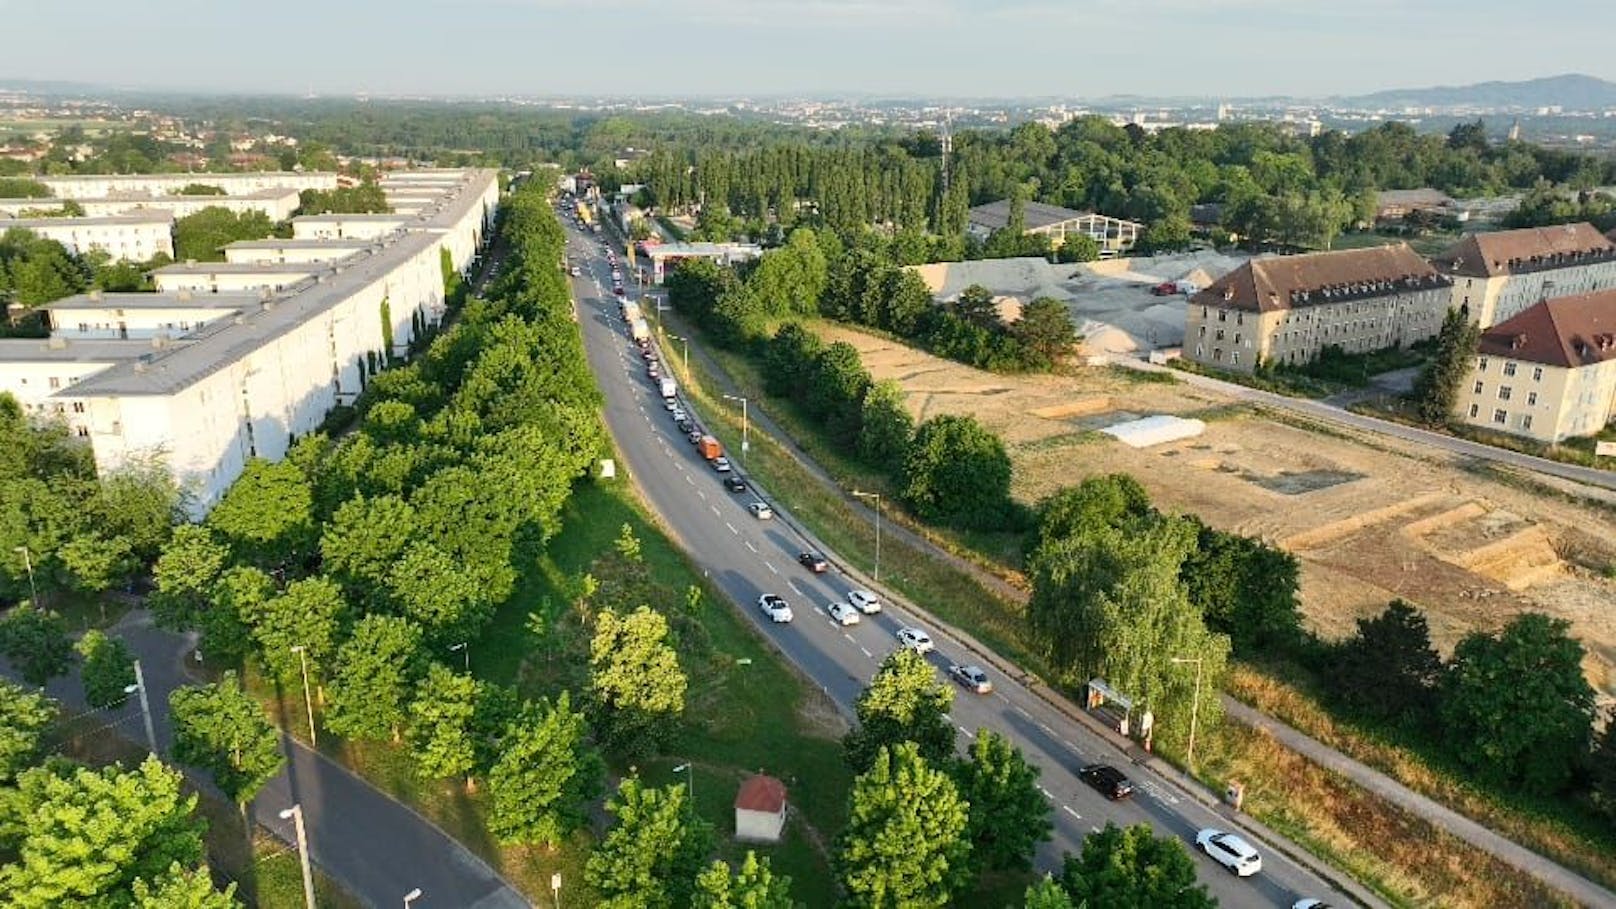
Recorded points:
(816, 48)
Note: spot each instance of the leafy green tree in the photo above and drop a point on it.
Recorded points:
(1169, 234)
(1389, 669)
(1080, 248)
(431, 588)
(267, 516)
(23, 188)
(36, 269)
(363, 540)
(1009, 816)
(204, 235)
(650, 858)
(24, 717)
(310, 614)
(885, 427)
(82, 837)
(1047, 894)
(1045, 328)
(221, 729)
(36, 643)
(958, 473)
(1517, 706)
(1244, 588)
(178, 888)
(138, 503)
(546, 777)
(903, 703)
(975, 305)
(376, 671)
(637, 689)
(789, 360)
(96, 564)
(442, 736)
(239, 595)
(754, 886)
(1132, 868)
(187, 569)
(1436, 389)
(108, 668)
(1601, 765)
(905, 842)
(366, 198)
(1109, 501)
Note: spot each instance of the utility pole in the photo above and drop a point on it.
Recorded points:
(295, 814)
(1195, 707)
(746, 424)
(145, 706)
(28, 563)
(308, 700)
(877, 497)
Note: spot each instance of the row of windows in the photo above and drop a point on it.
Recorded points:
(1505, 392)
(1217, 355)
(1509, 369)
(1501, 417)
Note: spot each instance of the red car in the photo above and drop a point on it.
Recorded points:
(1165, 289)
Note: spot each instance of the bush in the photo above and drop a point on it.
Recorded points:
(958, 473)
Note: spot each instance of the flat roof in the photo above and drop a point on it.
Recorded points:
(458, 204)
(242, 268)
(304, 243)
(166, 299)
(60, 350)
(147, 216)
(48, 179)
(273, 192)
(369, 216)
(996, 215)
(699, 249)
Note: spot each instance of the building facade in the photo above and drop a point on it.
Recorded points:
(134, 237)
(1497, 275)
(1287, 309)
(95, 186)
(1547, 373)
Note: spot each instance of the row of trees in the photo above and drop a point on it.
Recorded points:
(35, 270)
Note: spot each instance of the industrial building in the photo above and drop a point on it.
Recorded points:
(664, 256)
(1115, 235)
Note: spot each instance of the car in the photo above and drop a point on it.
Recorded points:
(864, 601)
(669, 404)
(915, 639)
(813, 561)
(1165, 289)
(653, 371)
(575, 271)
(761, 511)
(721, 464)
(733, 483)
(1310, 903)
(695, 434)
(843, 614)
(775, 607)
(1108, 780)
(678, 413)
(685, 426)
(617, 289)
(972, 678)
(1229, 850)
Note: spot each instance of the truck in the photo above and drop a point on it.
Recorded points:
(669, 388)
(709, 448)
(640, 331)
(631, 311)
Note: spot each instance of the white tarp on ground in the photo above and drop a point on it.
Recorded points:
(1155, 430)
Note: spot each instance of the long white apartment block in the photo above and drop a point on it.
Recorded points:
(346, 227)
(226, 277)
(277, 250)
(135, 237)
(94, 186)
(278, 204)
(203, 381)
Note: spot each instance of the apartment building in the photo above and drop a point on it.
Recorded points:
(135, 237)
(1286, 309)
(1547, 373)
(217, 277)
(1497, 275)
(95, 186)
(278, 250)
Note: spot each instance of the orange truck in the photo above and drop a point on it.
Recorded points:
(709, 448)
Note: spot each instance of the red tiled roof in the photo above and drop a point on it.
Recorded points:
(1284, 282)
(1565, 331)
(762, 793)
(1488, 255)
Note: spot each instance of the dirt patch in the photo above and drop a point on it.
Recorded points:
(1294, 484)
(818, 716)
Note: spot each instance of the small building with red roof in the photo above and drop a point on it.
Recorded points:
(760, 810)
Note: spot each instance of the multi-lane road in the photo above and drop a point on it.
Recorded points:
(747, 557)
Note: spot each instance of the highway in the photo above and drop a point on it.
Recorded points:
(746, 557)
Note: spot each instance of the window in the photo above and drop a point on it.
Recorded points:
(1531, 399)
(1526, 422)
(1217, 355)
(1474, 409)
(1203, 331)
(1537, 374)
(1481, 364)
(1504, 392)
(55, 382)
(1500, 416)
(78, 406)
(1509, 368)
(1223, 315)
(83, 431)
(1477, 389)
(1234, 357)
(1220, 334)
(1237, 337)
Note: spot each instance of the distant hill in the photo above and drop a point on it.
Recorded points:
(1571, 91)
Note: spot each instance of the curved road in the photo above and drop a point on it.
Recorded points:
(746, 557)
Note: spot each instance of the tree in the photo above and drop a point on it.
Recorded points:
(1169, 234)
(435, 590)
(636, 686)
(650, 858)
(267, 515)
(82, 837)
(178, 888)
(190, 564)
(1517, 706)
(886, 427)
(363, 540)
(310, 614)
(1132, 868)
(442, 715)
(1078, 248)
(958, 473)
(221, 729)
(1436, 389)
(108, 669)
(204, 235)
(1114, 501)
(975, 305)
(1047, 894)
(35, 641)
(546, 777)
(788, 360)
(1389, 668)
(24, 717)
(1045, 328)
(96, 564)
(754, 886)
(240, 594)
(1601, 767)
(1009, 816)
(376, 671)
(905, 842)
(903, 703)
(1244, 588)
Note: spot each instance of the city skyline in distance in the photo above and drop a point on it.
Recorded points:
(810, 48)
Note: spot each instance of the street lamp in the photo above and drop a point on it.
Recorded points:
(145, 705)
(466, 647)
(411, 897)
(690, 783)
(308, 701)
(28, 563)
(877, 497)
(295, 814)
(746, 424)
(1195, 707)
(685, 344)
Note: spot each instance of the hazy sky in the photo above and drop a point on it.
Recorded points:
(960, 48)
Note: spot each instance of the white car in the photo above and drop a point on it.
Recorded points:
(864, 601)
(1230, 851)
(775, 607)
(761, 511)
(721, 464)
(915, 639)
(843, 614)
(1310, 903)
(679, 414)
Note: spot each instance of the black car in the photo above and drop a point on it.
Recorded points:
(813, 561)
(686, 427)
(734, 483)
(1108, 780)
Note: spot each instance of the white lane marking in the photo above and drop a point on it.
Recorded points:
(867, 652)
(688, 480)
(816, 605)
(1158, 793)
(964, 731)
(1046, 792)
(702, 493)
(775, 570)
(1045, 727)
(732, 528)
(792, 583)
(1095, 829)
(1022, 710)
(748, 542)
(1068, 810)
(849, 638)
(716, 512)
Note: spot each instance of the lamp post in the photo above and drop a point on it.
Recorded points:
(295, 814)
(145, 706)
(465, 647)
(877, 497)
(308, 700)
(684, 344)
(28, 563)
(1195, 707)
(746, 424)
(689, 771)
(411, 897)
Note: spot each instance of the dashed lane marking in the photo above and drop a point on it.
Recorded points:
(732, 528)
(688, 480)
(1068, 810)
(1022, 710)
(716, 512)
(748, 542)
(1046, 792)
(702, 493)
(792, 583)
(867, 652)
(771, 567)
(965, 732)
(1047, 731)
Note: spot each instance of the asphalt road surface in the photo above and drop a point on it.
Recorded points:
(747, 557)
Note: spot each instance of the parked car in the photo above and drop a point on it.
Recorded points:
(617, 289)
(694, 435)
(1310, 903)
(1108, 780)
(761, 510)
(864, 601)
(685, 426)
(775, 607)
(1165, 289)
(843, 614)
(678, 413)
(721, 464)
(813, 561)
(915, 639)
(734, 483)
(972, 678)
(1230, 851)
(652, 371)
(575, 271)
(669, 404)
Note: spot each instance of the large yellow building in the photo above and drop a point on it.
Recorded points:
(1548, 373)
(1497, 275)
(1287, 309)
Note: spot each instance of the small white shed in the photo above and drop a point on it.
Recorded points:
(1155, 430)
(760, 810)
